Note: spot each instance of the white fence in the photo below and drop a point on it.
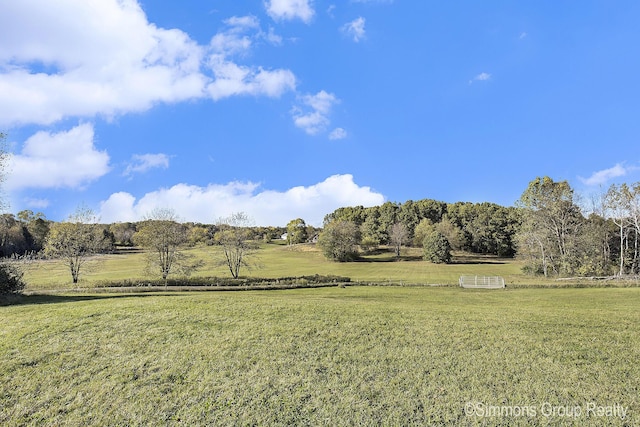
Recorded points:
(482, 282)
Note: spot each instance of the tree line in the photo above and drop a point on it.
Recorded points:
(164, 237)
(547, 229)
(550, 229)
(556, 239)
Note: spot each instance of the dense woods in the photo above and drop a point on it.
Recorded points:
(547, 229)
(484, 228)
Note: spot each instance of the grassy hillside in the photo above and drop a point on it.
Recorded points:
(354, 356)
(278, 260)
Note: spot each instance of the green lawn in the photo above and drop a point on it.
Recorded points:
(277, 260)
(331, 356)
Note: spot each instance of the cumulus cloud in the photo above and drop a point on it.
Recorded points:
(266, 207)
(81, 58)
(87, 57)
(141, 163)
(56, 160)
(290, 10)
(232, 79)
(313, 115)
(355, 29)
(237, 37)
(605, 175)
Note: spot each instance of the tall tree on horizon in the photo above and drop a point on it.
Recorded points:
(551, 222)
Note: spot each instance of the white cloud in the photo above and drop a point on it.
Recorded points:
(87, 57)
(243, 22)
(290, 10)
(605, 175)
(482, 77)
(266, 207)
(36, 203)
(355, 29)
(273, 38)
(81, 58)
(315, 118)
(54, 160)
(238, 37)
(141, 163)
(232, 79)
(338, 133)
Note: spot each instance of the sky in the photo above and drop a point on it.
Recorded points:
(289, 109)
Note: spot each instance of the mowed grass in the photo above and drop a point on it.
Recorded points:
(331, 356)
(278, 260)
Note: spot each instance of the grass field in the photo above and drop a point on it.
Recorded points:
(277, 260)
(331, 356)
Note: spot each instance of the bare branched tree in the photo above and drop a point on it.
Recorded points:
(398, 237)
(233, 237)
(77, 239)
(164, 239)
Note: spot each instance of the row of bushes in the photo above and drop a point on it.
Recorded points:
(316, 279)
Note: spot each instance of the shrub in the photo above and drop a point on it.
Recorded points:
(11, 281)
(339, 241)
(436, 248)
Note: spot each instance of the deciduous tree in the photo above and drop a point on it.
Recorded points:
(551, 221)
(622, 206)
(10, 274)
(423, 229)
(37, 228)
(233, 237)
(164, 239)
(617, 208)
(296, 231)
(123, 232)
(398, 237)
(339, 241)
(632, 195)
(75, 240)
(452, 232)
(371, 231)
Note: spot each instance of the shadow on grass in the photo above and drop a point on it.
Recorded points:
(475, 262)
(37, 299)
(468, 258)
(390, 258)
(462, 258)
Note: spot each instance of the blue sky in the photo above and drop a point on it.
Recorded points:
(292, 108)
